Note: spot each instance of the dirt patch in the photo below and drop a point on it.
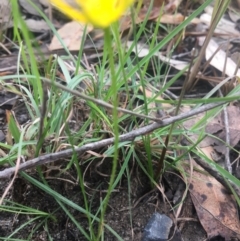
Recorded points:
(130, 207)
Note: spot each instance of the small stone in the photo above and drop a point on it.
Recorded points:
(157, 228)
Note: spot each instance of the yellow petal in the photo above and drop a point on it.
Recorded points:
(102, 13)
(72, 12)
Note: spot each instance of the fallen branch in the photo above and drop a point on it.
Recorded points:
(7, 173)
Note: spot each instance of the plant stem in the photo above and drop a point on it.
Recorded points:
(108, 48)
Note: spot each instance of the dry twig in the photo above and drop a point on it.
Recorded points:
(103, 143)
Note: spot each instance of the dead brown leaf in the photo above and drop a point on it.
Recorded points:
(165, 8)
(217, 128)
(37, 26)
(156, 3)
(71, 34)
(215, 206)
(218, 58)
(29, 8)
(5, 14)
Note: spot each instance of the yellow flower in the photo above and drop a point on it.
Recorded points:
(100, 13)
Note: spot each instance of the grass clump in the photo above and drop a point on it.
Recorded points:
(70, 108)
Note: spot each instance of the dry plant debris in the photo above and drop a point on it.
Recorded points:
(216, 128)
(215, 206)
(71, 34)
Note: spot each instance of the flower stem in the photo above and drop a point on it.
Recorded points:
(108, 48)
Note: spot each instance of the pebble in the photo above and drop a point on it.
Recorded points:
(157, 228)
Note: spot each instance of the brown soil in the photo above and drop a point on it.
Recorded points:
(130, 207)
